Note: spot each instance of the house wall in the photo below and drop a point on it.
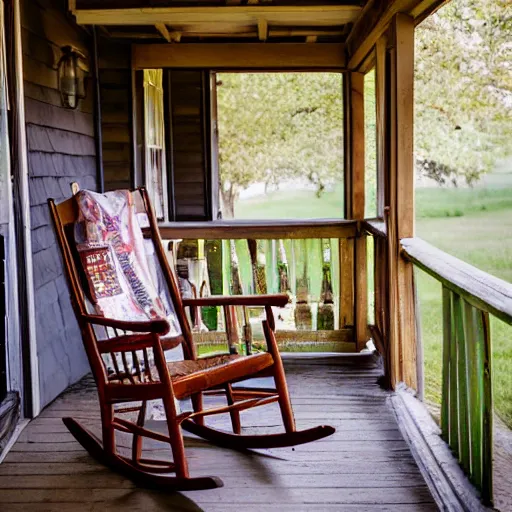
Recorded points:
(116, 112)
(188, 141)
(186, 126)
(60, 150)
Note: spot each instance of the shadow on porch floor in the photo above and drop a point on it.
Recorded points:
(365, 466)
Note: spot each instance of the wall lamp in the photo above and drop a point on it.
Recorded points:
(73, 69)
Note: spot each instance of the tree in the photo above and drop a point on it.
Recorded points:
(277, 126)
(463, 89)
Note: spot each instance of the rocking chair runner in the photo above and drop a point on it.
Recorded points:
(150, 376)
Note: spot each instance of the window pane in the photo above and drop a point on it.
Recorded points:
(370, 149)
(280, 145)
(154, 134)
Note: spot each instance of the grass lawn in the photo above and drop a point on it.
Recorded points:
(297, 204)
(482, 238)
(474, 225)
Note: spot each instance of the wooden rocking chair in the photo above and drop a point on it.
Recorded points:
(151, 377)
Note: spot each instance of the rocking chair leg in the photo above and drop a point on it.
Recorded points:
(197, 404)
(280, 380)
(176, 436)
(235, 415)
(108, 432)
(284, 397)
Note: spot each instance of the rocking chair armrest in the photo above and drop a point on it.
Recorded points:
(126, 343)
(157, 326)
(278, 300)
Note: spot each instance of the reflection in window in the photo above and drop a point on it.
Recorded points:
(154, 135)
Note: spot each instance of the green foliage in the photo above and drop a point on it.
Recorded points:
(275, 127)
(452, 202)
(370, 145)
(463, 90)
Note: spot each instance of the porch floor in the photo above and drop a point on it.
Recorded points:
(365, 466)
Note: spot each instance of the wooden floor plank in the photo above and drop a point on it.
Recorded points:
(366, 466)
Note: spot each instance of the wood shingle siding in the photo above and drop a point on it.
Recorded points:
(116, 113)
(61, 150)
(187, 137)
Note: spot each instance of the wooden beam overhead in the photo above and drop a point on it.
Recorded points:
(240, 56)
(310, 34)
(425, 8)
(317, 15)
(262, 29)
(374, 20)
(162, 29)
(372, 23)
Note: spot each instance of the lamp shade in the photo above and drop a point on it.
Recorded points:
(72, 71)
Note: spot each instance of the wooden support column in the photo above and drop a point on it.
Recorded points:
(381, 245)
(355, 196)
(380, 104)
(400, 199)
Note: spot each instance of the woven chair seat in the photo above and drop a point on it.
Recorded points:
(191, 376)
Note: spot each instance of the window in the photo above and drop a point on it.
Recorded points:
(154, 135)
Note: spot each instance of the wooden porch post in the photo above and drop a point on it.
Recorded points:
(355, 196)
(400, 199)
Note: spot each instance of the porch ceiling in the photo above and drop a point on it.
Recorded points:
(356, 24)
(221, 20)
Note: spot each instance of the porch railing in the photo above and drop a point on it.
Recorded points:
(312, 261)
(469, 297)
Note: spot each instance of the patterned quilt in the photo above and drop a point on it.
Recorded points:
(124, 276)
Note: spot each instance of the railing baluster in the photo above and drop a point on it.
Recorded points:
(346, 282)
(454, 405)
(485, 341)
(475, 368)
(462, 388)
(466, 405)
(297, 265)
(469, 297)
(445, 393)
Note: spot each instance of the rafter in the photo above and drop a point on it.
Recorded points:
(262, 29)
(374, 20)
(162, 29)
(294, 56)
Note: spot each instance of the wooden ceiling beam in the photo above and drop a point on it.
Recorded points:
(374, 20)
(311, 35)
(372, 23)
(425, 8)
(296, 56)
(318, 15)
